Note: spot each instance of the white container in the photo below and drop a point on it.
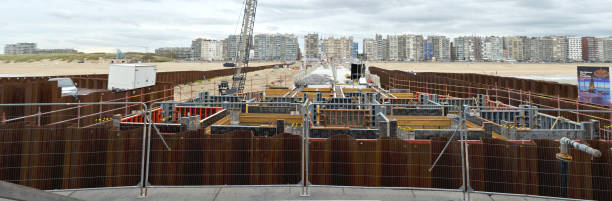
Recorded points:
(130, 76)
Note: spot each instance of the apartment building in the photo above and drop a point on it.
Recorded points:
(312, 46)
(428, 50)
(207, 50)
(441, 47)
(457, 49)
(175, 52)
(604, 49)
(391, 51)
(230, 47)
(339, 48)
(589, 49)
(468, 48)
(269, 47)
(493, 48)
(414, 47)
(560, 49)
(370, 49)
(574, 49)
(20, 48)
(514, 48)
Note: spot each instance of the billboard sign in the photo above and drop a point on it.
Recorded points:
(594, 85)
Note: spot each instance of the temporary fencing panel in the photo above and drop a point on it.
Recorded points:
(236, 158)
(187, 111)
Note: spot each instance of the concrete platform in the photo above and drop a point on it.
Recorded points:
(280, 193)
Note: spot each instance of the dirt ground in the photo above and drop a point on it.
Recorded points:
(48, 68)
(256, 81)
(564, 73)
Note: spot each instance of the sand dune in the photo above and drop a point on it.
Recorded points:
(48, 68)
(564, 73)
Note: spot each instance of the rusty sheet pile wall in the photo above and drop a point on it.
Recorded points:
(69, 158)
(501, 91)
(40, 90)
(236, 158)
(63, 158)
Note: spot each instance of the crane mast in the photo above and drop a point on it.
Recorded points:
(245, 44)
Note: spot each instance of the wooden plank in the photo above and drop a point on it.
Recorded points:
(256, 118)
(436, 122)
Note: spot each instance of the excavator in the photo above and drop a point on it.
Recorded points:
(245, 44)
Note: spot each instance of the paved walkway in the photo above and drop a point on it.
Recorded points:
(280, 193)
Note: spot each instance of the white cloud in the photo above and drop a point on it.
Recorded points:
(105, 25)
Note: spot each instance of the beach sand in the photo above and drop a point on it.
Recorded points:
(51, 68)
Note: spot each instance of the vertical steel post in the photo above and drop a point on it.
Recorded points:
(306, 107)
(126, 105)
(577, 112)
(79, 115)
(521, 96)
(463, 167)
(100, 115)
(146, 143)
(563, 167)
(607, 132)
(38, 118)
(468, 187)
(558, 104)
(509, 99)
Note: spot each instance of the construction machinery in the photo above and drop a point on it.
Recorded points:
(244, 48)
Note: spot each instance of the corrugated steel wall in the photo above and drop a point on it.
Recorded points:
(100, 157)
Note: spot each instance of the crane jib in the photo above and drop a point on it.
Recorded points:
(244, 48)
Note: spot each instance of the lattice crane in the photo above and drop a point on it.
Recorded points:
(245, 44)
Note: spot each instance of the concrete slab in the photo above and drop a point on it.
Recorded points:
(282, 193)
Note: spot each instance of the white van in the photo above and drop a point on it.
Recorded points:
(67, 85)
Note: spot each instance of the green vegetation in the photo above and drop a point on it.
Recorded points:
(61, 57)
(27, 58)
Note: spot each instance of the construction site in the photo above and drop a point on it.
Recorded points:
(310, 127)
(336, 125)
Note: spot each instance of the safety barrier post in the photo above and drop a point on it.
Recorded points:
(306, 108)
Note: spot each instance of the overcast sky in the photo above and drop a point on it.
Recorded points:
(136, 25)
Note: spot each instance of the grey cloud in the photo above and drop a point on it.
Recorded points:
(91, 24)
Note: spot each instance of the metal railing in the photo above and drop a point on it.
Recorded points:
(199, 152)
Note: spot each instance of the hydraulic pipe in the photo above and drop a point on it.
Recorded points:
(565, 142)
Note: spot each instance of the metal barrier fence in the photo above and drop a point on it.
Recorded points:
(537, 168)
(300, 151)
(225, 152)
(62, 149)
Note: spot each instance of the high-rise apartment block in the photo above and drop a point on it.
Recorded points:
(339, 48)
(589, 49)
(604, 49)
(207, 50)
(230, 47)
(467, 48)
(560, 49)
(312, 46)
(441, 47)
(514, 48)
(282, 47)
(391, 48)
(493, 48)
(394, 48)
(574, 49)
(370, 49)
(428, 50)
